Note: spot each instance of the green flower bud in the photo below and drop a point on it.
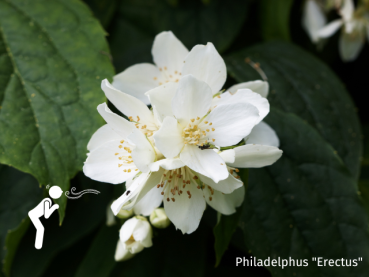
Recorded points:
(159, 219)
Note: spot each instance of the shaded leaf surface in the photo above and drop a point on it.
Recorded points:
(96, 264)
(303, 85)
(227, 225)
(305, 205)
(51, 66)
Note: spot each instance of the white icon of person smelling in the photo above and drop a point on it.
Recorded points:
(44, 208)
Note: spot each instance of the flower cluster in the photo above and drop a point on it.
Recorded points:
(186, 150)
(354, 24)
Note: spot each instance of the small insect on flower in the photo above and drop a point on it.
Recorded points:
(128, 191)
(205, 146)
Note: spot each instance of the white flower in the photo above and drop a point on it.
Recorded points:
(193, 122)
(159, 219)
(122, 254)
(186, 191)
(135, 234)
(355, 29)
(172, 61)
(313, 19)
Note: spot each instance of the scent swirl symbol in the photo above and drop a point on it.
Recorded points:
(77, 195)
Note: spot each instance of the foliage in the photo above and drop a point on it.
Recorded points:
(314, 202)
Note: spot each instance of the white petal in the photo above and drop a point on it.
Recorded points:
(169, 139)
(192, 99)
(244, 96)
(225, 203)
(149, 202)
(102, 135)
(205, 64)
(330, 29)
(121, 126)
(102, 164)
(143, 153)
(167, 164)
(168, 53)
(138, 79)
(127, 229)
(255, 156)
(110, 218)
(135, 247)
(137, 190)
(350, 45)
(347, 9)
(161, 99)
(128, 105)
(224, 186)
(263, 134)
(257, 86)
(313, 19)
(231, 123)
(142, 233)
(186, 213)
(205, 162)
(122, 254)
(228, 155)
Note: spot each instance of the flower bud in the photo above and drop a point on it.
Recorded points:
(123, 214)
(159, 219)
(122, 254)
(136, 234)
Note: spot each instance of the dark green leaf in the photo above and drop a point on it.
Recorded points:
(193, 22)
(103, 10)
(172, 254)
(303, 85)
(96, 264)
(275, 19)
(305, 205)
(53, 56)
(227, 225)
(83, 216)
(19, 193)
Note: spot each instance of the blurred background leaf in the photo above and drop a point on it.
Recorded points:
(275, 19)
(301, 84)
(305, 205)
(82, 217)
(19, 193)
(192, 21)
(50, 87)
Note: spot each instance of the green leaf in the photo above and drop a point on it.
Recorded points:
(53, 56)
(95, 264)
(227, 225)
(275, 19)
(12, 240)
(83, 216)
(303, 85)
(305, 205)
(19, 193)
(193, 22)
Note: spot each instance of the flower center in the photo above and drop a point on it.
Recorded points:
(148, 131)
(124, 157)
(167, 77)
(194, 135)
(176, 182)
